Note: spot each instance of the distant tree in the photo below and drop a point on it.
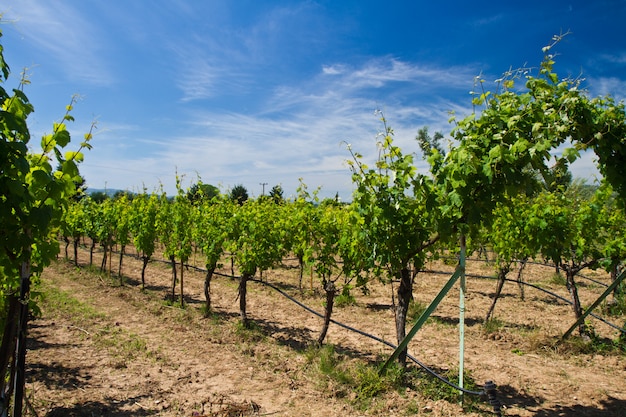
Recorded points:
(239, 194)
(582, 190)
(98, 196)
(332, 201)
(429, 144)
(276, 193)
(129, 195)
(202, 192)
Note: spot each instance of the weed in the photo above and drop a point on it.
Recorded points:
(206, 312)
(413, 408)
(416, 309)
(615, 307)
(434, 389)
(61, 302)
(621, 340)
(211, 315)
(328, 369)
(329, 365)
(558, 279)
(493, 325)
(370, 383)
(123, 345)
(251, 332)
(363, 381)
(536, 341)
(345, 298)
(576, 345)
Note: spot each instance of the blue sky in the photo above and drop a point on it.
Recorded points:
(252, 92)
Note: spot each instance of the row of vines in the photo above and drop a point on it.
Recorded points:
(572, 228)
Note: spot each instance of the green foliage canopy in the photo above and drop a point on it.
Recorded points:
(33, 194)
(503, 150)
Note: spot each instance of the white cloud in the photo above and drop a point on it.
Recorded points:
(616, 58)
(613, 86)
(385, 71)
(197, 80)
(300, 131)
(488, 20)
(65, 37)
(332, 69)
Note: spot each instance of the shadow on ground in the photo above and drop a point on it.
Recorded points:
(126, 408)
(611, 407)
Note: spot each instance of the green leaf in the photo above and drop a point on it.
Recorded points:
(70, 168)
(74, 156)
(571, 154)
(47, 143)
(62, 138)
(40, 177)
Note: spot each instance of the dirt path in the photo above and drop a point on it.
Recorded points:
(136, 355)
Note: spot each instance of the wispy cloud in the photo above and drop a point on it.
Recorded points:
(616, 58)
(198, 79)
(302, 129)
(613, 86)
(488, 20)
(229, 58)
(380, 72)
(332, 69)
(65, 37)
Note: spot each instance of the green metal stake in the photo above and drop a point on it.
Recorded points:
(422, 319)
(463, 247)
(605, 294)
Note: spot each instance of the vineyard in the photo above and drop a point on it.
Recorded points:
(178, 362)
(495, 275)
(309, 251)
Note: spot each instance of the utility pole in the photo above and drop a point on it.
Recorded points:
(263, 184)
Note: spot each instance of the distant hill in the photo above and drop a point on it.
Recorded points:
(108, 191)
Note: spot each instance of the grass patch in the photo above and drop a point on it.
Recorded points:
(434, 389)
(345, 298)
(615, 307)
(330, 364)
(61, 303)
(415, 311)
(494, 325)
(558, 279)
(361, 383)
(574, 345)
(365, 388)
(251, 332)
(124, 346)
(370, 383)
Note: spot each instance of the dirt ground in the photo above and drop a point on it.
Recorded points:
(121, 351)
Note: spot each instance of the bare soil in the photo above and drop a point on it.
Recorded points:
(130, 352)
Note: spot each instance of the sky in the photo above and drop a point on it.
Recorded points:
(265, 93)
